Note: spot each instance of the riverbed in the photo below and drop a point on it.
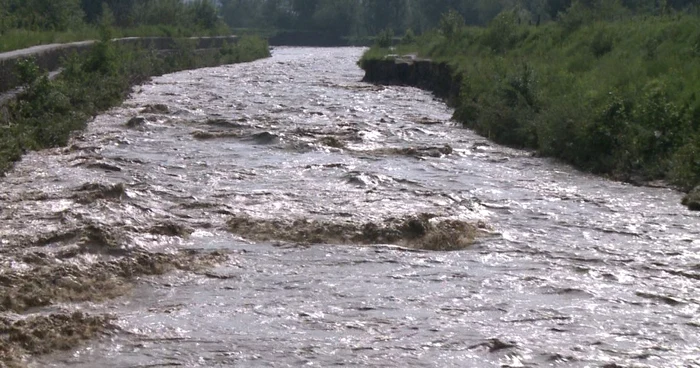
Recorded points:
(566, 269)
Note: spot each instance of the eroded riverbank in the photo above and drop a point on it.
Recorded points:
(216, 200)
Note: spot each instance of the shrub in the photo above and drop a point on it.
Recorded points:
(502, 32)
(409, 37)
(385, 38)
(602, 43)
(451, 24)
(685, 164)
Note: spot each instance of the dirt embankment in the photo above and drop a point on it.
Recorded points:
(439, 78)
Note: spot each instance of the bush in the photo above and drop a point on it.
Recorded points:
(602, 43)
(451, 24)
(385, 38)
(502, 32)
(409, 37)
(685, 164)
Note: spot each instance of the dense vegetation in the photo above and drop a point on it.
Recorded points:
(29, 22)
(361, 18)
(618, 97)
(48, 111)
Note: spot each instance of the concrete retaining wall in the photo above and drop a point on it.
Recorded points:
(49, 57)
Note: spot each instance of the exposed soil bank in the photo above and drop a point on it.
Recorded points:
(441, 79)
(438, 78)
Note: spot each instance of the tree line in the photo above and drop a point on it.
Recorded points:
(71, 15)
(369, 17)
(357, 18)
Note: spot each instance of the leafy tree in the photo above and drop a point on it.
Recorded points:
(205, 14)
(304, 10)
(556, 7)
(123, 11)
(450, 24)
(41, 15)
(92, 10)
(336, 16)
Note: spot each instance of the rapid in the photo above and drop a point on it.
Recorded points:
(566, 269)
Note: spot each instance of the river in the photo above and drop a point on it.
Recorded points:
(570, 270)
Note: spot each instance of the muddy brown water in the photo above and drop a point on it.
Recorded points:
(574, 271)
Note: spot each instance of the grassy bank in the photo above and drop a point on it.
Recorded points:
(46, 113)
(617, 98)
(16, 39)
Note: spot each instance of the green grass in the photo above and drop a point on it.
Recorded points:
(48, 111)
(615, 98)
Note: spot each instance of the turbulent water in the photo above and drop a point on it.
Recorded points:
(572, 271)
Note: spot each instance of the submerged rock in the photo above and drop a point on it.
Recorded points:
(169, 228)
(136, 122)
(332, 142)
(90, 192)
(155, 109)
(264, 138)
(225, 123)
(418, 152)
(203, 135)
(692, 199)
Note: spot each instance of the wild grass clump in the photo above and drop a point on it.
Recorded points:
(48, 111)
(612, 97)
